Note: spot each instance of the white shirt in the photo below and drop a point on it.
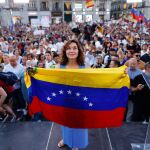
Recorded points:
(39, 51)
(90, 59)
(49, 64)
(59, 46)
(53, 47)
(31, 63)
(4, 47)
(106, 58)
(98, 44)
(19, 60)
(18, 71)
(143, 52)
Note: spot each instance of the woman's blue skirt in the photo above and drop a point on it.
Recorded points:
(75, 138)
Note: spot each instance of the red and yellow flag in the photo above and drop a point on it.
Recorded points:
(89, 3)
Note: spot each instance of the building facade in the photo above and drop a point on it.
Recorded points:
(55, 11)
(119, 7)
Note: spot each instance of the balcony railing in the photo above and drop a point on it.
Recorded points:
(102, 9)
(16, 9)
(56, 12)
(44, 9)
(32, 9)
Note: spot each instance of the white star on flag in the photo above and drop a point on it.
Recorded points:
(85, 98)
(77, 94)
(90, 104)
(48, 98)
(69, 92)
(61, 92)
(54, 94)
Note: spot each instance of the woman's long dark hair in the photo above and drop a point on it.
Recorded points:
(80, 58)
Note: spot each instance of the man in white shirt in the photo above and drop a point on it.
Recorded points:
(4, 45)
(41, 49)
(10, 50)
(59, 45)
(52, 46)
(144, 49)
(97, 43)
(18, 70)
(49, 63)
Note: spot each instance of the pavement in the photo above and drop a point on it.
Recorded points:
(46, 135)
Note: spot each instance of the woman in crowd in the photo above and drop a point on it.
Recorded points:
(73, 58)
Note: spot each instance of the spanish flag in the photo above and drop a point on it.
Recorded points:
(100, 29)
(79, 98)
(89, 3)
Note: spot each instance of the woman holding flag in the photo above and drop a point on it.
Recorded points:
(72, 58)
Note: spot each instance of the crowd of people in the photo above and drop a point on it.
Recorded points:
(105, 45)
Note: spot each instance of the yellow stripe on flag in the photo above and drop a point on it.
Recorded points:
(27, 79)
(89, 3)
(94, 78)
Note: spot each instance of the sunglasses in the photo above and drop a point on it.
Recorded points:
(138, 55)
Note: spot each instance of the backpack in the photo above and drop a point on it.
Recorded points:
(8, 77)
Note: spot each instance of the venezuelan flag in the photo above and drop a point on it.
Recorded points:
(135, 14)
(89, 3)
(80, 98)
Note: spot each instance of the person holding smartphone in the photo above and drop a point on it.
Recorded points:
(141, 90)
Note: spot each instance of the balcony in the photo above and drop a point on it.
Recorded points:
(44, 9)
(32, 9)
(16, 9)
(102, 9)
(11, 8)
(56, 12)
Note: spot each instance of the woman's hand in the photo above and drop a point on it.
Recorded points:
(31, 71)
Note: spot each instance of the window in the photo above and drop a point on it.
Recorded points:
(32, 4)
(78, 18)
(43, 5)
(88, 18)
(78, 6)
(67, 6)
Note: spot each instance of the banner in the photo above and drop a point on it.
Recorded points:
(35, 22)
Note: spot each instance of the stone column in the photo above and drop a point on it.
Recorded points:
(24, 14)
(147, 9)
(6, 14)
(38, 8)
(107, 10)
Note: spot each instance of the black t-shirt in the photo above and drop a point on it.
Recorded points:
(144, 94)
(145, 58)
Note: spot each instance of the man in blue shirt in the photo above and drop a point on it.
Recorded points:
(133, 71)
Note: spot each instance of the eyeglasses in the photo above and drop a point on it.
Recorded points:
(138, 55)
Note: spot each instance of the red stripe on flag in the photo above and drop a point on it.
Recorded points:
(90, 6)
(78, 118)
(89, 3)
